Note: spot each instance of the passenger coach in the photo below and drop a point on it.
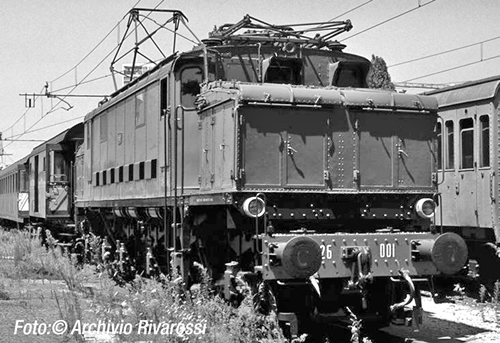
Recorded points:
(469, 169)
(14, 204)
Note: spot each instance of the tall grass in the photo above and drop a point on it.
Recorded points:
(163, 300)
(34, 261)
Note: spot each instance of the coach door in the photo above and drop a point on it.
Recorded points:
(484, 179)
(58, 181)
(465, 184)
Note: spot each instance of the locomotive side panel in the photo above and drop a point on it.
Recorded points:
(305, 153)
(184, 123)
(395, 150)
(217, 163)
(264, 142)
(341, 151)
(120, 147)
(376, 150)
(96, 157)
(415, 153)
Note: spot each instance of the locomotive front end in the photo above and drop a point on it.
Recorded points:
(339, 187)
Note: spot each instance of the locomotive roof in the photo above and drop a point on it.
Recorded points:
(478, 90)
(329, 96)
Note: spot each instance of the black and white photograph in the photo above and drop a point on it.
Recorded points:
(250, 171)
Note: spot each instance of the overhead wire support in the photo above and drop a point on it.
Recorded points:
(59, 97)
(134, 18)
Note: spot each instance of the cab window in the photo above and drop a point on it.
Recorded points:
(191, 78)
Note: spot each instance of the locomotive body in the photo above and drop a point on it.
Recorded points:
(468, 176)
(263, 156)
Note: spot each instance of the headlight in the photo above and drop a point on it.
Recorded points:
(425, 207)
(254, 207)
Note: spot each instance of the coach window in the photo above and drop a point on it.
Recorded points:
(439, 146)
(191, 78)
(57, 167)
(24, 182)
(467, 143)
(450, 153)
(484, 136)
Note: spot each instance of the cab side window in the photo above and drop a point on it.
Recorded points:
(191, 78)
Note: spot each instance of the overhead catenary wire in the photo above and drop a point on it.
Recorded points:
(74, 87)
(45, 127)
(443, 52)
(97, 66)
(453, 68)
(351, 10)
(388, 20)
(73, 68)
(71, 90)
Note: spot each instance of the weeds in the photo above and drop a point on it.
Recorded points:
(155, 305)
(4, 295)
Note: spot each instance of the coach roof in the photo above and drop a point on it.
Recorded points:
(483, 89)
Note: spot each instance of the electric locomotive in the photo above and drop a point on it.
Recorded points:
(262, 155)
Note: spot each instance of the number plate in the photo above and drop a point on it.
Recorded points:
(387, 250)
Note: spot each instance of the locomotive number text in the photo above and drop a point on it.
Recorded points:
(387, 250)
(326, 251)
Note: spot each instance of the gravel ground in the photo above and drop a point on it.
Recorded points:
(457, 319)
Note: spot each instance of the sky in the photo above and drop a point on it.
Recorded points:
(69, 42)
